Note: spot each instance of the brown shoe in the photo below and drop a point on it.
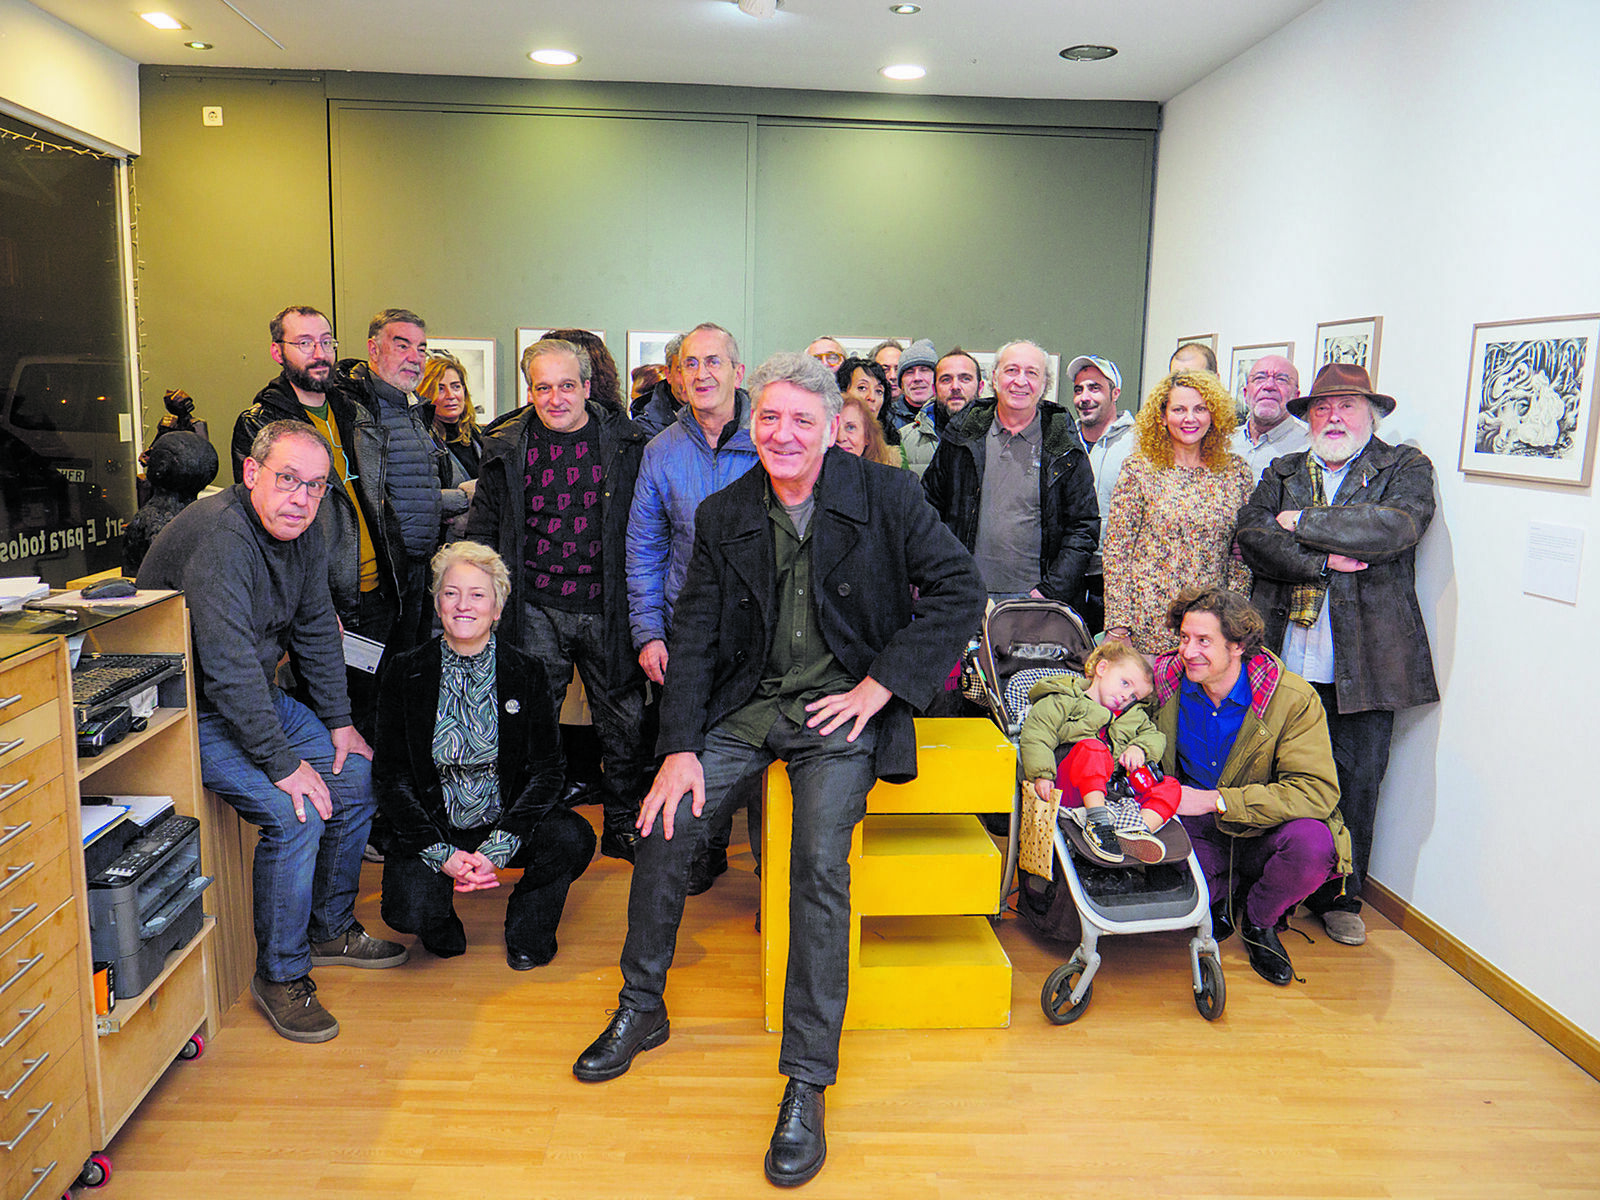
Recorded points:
(294, 1010)
(355, 947)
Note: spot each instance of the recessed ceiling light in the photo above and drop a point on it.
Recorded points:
(905, 10)
(198, 45)
(903, 71)
(162, 21)
(554, 58)
(1087, 53)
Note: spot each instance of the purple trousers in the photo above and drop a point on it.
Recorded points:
(1279, 868)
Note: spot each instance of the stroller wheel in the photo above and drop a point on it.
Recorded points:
(1056, 998)
(1212, 997)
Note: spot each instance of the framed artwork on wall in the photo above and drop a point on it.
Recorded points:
(1530, 410)
(1208, 340)
(1355, 341)
(647, 346)
(527, 335)
(857, 347)
(1244, 357)
(477, 357)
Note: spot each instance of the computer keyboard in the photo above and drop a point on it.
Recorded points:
(100, 678)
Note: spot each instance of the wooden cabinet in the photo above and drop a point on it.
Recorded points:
(69, 1079)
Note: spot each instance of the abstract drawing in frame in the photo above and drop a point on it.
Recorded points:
(477, 356)
(1244, 357)
(1355, 341)
(648, 346)
(1530, 409)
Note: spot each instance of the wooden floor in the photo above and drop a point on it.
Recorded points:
(1384, 1074)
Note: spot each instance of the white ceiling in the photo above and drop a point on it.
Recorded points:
(970, 47)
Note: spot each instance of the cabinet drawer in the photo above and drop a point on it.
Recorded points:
(55, 1038)
(48, 1157)
(26, 687)
(39, 949)
(23, 735)
(133, 1058)
(26, 1011)
(35, 827)
(21, 776)
(36, 893)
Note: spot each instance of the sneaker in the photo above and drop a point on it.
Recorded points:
(1142, 844)
(1101, 834)
(294, 1010)
(355, 947)
(1346, 928)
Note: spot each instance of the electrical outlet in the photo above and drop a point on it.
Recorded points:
(211, 114)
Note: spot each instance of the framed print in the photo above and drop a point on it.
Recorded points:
(1530, 411)
(477, 356)
(1354, 341)
(857, 347)
(647, 346)
(1208, 340)
(1244, 357)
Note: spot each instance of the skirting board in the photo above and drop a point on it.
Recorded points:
(1487, 978)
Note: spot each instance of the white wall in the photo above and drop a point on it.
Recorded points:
(1436, 162)
(65, 80)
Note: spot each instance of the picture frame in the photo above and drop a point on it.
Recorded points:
(857, 347)
(477, 357)
(1244, 357)
(527, 335)
(1530, 408)
(1355, 341)
(1208, 340)
(648, 346)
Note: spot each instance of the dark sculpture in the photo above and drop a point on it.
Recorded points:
(177, 464)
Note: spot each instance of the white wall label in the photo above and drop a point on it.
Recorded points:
(1550, 566)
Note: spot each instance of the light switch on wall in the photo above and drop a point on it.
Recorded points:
(211, 114)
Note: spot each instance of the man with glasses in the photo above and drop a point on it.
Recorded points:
(361, 575)
(253, 565)
(1270, 431)
(827, 351)
(553, 497)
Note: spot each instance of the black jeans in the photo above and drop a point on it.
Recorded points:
(1361, 758)
(830, 778)
(416, 898)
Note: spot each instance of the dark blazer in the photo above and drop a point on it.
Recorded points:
(404, 775)
(1380, 646)
(874, 538)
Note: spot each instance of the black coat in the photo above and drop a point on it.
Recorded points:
(404, 775)
(1380, 646)
(1069, 514)
(873, 539)
(499, 518)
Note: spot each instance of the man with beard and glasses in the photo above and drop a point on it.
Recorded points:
(1331, 534)
(365, 589)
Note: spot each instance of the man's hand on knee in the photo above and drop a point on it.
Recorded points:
(346, 741)
(305, 784)
(680, 774)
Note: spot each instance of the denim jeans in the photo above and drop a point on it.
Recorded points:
(416, 898)
(830, 778)
(561, 640)
(306, 874)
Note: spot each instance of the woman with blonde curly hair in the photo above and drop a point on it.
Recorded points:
(1174, 509)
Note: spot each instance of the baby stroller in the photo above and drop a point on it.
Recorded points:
(1022, 642)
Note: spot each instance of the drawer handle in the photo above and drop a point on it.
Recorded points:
(43, 1173)
(10, 746)
(12, 831)
(16, 915)
(38, 1115)
(27, 1019)
(23, 967)
(10, 700)
(7, 793)
(15, 873)
(33, 1064)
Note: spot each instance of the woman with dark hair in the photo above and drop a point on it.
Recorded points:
(467, 768)
(867, 380)
(1174, 510)
(605, 385)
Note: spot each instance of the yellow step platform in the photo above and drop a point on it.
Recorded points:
(924, 877)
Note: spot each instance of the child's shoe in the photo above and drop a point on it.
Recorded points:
(1100, 833)
(1142, 844)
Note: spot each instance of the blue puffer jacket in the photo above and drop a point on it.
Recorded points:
(679, 471)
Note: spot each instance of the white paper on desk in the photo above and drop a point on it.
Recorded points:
(97, 818)
(141, 810)
(362, 653)
(1550, 565)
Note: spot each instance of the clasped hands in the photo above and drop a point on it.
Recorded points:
(1289, 519)
(471, 871)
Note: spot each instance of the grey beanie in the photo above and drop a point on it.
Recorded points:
(920, 354)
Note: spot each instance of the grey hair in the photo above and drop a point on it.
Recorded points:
(1049, 371)
(556, 346)
(886, 344)
(804, 372)
(472, 554)
(712, 326)
(393, 316)
(674, 347)
(275, 431)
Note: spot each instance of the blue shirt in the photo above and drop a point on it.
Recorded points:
(1206, 731)
(1308, 650)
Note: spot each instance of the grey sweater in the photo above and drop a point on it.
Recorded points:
(252, 597)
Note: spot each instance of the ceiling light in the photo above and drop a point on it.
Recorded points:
(1087, 53)
(162, 21)
(905, 10)
(903, 71)
(554, 58)
(198, 45)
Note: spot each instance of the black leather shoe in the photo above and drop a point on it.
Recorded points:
(445, 941)
(521, 960)
(798, 1147)
(705, 871)
(611, 1054)
(1221, 927)
(1267, 955)
(577, 793)
(618, 843)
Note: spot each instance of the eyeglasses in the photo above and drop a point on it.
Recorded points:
(831, 358)
(306, 345)
(711, 362)
(1278, 377)
(286, 482)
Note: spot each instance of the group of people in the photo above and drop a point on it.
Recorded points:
(784, 568)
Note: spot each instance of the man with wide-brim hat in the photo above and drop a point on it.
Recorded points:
(1331, 534)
